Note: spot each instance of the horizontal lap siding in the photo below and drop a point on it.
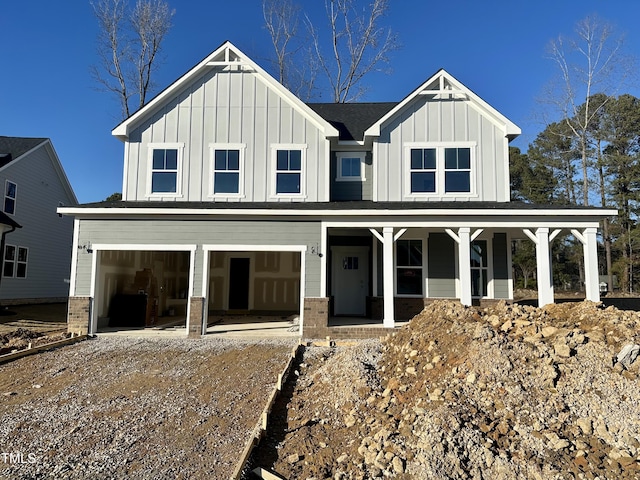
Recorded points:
(500, 266)
(48, 236)
(442, 266)
(200, 232)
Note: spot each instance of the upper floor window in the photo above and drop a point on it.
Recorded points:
(165, 169)
(350, 167)
(289, 171)
(439, 169)
(227, 169)
(10, 194)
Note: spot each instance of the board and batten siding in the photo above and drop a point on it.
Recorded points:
(227, 107)
(48, 236)
(425, 120)
(199, 232)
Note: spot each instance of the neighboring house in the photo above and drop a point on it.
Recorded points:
(238, 197)
(36, 258)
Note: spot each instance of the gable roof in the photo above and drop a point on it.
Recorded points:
(352, 119)
(12, 148)
(226, 55)
(444, 85)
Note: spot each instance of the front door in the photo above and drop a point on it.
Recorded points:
(239, 283)
(350, 280)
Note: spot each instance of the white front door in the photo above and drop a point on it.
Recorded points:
(350, 280)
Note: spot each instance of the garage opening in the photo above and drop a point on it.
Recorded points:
(259, 288)
(141, 289)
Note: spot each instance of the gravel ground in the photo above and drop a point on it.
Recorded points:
(502, 393)
(135, 408)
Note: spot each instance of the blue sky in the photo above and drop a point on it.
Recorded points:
(495, 47)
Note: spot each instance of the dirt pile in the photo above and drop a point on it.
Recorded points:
(506, 392)
(20, 338)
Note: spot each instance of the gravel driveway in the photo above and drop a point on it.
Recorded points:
(135, 408)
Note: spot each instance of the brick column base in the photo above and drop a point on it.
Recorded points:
(196, 314)
(79, 315)
(316, 317)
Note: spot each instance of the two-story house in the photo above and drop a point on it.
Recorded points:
(37, 257)
(239, 197)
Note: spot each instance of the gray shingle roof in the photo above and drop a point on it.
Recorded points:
(14, 147)
(352, 119)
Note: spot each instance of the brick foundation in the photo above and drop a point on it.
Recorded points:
(316, 317)
(79, 315)
(196, 313)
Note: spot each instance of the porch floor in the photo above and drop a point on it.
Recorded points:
(360, 322)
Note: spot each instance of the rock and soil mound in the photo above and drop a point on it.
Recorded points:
(506, 392)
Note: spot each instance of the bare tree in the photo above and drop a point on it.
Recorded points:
(129, 42)
(592, 62)
(359, 46)
(296, 68)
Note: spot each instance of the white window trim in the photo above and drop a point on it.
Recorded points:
(423, 267)
(440, 170)
(490, 293)
(15, 199)
(15, 260)
(166, 146)
(340, 157)
(273, 170)
(241, 147)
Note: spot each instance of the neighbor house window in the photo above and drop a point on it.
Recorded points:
(409, 267)
(10, 193)
(350, 167)
(15, 261)
(165, 169)
(288, 171)
(439, 169)
(227, 169)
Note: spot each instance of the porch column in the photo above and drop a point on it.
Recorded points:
(388, 320)
(463, 239)
(590, 248)
(543, 261)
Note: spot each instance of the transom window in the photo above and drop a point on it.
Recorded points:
(350, 167)
(288, 172)
(10, 195)
(164, 172)
(226, 171)
(439, 169)
(409, 267)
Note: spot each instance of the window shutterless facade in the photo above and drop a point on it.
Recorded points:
(227, 170)
(10, 196)
(439, 169)
(409, 267)
(350, 167)
(15, 261)
(288, 170)
(165, 172)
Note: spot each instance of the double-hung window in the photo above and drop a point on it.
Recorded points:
(479, 268)
(289, 173)
(227, 170)
(165, 169)
(439, 169)
(10, 195)
(409, 267)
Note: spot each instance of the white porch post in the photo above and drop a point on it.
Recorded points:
(463, 239)
(590, 248)
(464, 264)
(388, 320)
(544, 274)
